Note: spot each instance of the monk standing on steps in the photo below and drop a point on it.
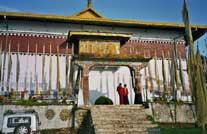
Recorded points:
(125, 90)
(121, 93)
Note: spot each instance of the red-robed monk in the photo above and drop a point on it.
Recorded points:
(125, 89)
(121, 93)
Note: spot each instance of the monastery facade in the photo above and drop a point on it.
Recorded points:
(91, 54)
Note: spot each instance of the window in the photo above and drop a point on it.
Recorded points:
(16, 121)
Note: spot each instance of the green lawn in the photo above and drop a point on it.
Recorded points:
(166, 130)
(181, 130)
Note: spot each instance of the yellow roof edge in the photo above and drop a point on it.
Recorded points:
(35, 15)
(124, 35)
(104, 20)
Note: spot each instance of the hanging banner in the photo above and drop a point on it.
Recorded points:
(150, 78)
(36, 77)
(58, 72)
(50, 70)
(17, 69)
(1, 63)
(156, 72)
(43, 69)
(164, 73)
(9, 67)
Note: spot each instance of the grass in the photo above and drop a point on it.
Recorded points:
(54, 131)
(180, 128)
(166, 130)
(176, 130)
(29, 103)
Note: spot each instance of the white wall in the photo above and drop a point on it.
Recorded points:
(54, 123)
(64, 28)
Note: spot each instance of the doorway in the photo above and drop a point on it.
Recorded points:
(103, 81)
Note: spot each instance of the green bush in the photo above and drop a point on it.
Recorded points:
(8, 112)
(103, 101)
(30, 103)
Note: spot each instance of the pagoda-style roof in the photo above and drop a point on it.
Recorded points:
(92, 17)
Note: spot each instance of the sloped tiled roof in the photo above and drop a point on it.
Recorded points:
(90, 16)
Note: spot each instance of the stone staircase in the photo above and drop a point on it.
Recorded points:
(121, 119)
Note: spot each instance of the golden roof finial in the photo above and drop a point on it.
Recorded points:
(89, 4)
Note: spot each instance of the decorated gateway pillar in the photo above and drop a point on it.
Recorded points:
(138, 87)
(85, 84)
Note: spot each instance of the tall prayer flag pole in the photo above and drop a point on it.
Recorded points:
(156, 72)
(31, 82)
(150, 78)
(1, 63)
(71, 74)
(50, 70)
(164, 74)
(181, 73)
(43, 68)
(146, 83)
(68, 89)
(199, 92)
(205, 64)
(36, 79)
(189, 75)
(9, 67)
(17, 69)
(169, 70)
(200, 71)
(5, 53)
(26, 73)
(173, 71)
(58, 72)
(177, 81)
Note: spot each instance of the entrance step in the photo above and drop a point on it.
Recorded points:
(120, 119)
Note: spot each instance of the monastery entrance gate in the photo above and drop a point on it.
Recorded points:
(100, 78)
(99, 56)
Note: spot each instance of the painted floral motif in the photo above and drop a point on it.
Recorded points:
(49, 114)
(65, 115)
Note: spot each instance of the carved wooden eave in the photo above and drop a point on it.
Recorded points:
(78, 35)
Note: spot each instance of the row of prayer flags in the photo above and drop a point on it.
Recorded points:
(17, 73)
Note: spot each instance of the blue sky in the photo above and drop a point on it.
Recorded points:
(150, 10)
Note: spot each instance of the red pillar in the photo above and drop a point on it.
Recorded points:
(85, 90)
(138, 88)
(86, 84)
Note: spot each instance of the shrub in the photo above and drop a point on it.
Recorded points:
(103, 101)
(8, 112)
(2, 99)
